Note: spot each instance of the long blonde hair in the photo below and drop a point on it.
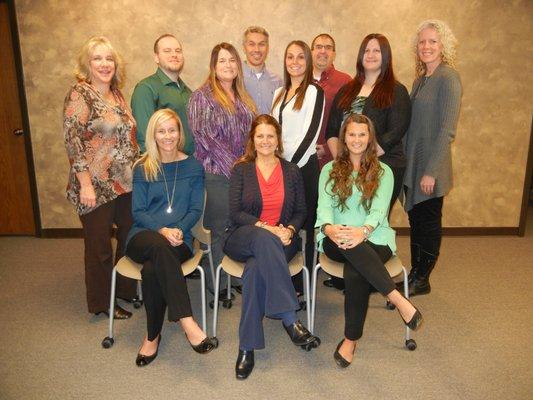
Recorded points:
(219, 93)
(151, 159)
(447, 38)
(82, 71)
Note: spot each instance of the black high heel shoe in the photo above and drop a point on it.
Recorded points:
(143, 360)
(206, 345)
(415, 321)
(245, 364)
(299, 334)
(339, 359)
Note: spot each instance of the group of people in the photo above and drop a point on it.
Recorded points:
(314, 150)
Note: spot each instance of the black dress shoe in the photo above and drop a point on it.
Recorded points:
(119, 313)
(143, 360)
(340, 360)
(299, 334)
(335, 282)
(415, 321)
(245, 364)
(206, 345)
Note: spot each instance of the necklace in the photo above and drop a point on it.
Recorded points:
(170, 199)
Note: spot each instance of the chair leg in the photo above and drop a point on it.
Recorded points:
(112, 302)
(406, 295)
(211, 264)
(229, 286)
(215, 303)
(307, 295)
(313, 297)
(139, 291)
(202, 283)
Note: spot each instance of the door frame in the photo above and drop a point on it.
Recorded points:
(24, 112)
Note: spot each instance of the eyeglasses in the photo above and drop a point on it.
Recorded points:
(328, 47)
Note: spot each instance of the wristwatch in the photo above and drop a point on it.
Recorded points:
(323, 228)
(366, 232)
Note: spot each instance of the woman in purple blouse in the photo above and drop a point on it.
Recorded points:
(220, 115)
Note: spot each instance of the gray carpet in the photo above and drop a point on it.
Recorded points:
(475, 343)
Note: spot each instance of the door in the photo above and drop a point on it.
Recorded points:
(16, 206)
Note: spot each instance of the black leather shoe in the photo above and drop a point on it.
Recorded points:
(335, 282)
(245, 364)
(206, 345)
(299, 334)
(143, 360)
(415, 321)
(340, 360)
(119, 313)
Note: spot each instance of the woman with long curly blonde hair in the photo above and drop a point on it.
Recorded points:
(353, 203)
(436, 100)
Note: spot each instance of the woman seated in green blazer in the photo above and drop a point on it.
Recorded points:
(354, 195)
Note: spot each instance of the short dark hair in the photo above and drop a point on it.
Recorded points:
(323, 35)
(156, 43)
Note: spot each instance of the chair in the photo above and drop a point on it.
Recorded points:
(394, 268)
(236, 269)
(126, 267)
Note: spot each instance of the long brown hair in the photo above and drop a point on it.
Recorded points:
(308, 77)
(383, 92)
(238, 83)
(250, 153)
(367, 180)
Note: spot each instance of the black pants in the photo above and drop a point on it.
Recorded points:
(162, 278)
(425, 220)
(397, 173)
(310, 173)
(363, 268)
(97, 234)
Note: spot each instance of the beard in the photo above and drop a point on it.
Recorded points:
(171, 67)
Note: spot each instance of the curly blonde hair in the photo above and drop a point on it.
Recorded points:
(83, 70)
(447, 38)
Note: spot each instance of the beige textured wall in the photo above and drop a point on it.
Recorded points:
(494, 62)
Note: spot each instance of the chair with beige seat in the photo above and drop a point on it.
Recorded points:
(130, 269)
(394, 267)
(236, 269)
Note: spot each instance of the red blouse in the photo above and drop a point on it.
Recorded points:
(272, 193)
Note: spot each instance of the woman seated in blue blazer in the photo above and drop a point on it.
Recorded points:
(267, 209)
(168, 198)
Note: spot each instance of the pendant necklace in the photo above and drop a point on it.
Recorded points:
(170, 199)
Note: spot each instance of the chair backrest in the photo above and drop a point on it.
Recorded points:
(198, 231)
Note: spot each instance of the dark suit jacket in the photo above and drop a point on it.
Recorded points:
(391, 123)
(246, 204)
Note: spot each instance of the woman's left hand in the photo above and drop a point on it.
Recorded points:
(427, 184)
(353, 235)
(285, 235)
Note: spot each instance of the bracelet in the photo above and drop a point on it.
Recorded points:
(366, 232)
(291, 228)
(323, 227)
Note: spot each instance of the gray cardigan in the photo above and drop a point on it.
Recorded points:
(435, 111)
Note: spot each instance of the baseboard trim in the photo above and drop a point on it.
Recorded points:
(471, 231)
(76, 233)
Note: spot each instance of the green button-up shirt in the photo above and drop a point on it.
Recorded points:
(154, 93)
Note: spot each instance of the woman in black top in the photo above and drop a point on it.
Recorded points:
(375, 93)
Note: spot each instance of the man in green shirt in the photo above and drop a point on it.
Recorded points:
(164, 89)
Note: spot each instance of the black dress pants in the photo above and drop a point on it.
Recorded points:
(425, 220)
(97, 233)
(163, 283)
(363, 268)
(310, 174)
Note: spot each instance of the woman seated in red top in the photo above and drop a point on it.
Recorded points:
(267, 208)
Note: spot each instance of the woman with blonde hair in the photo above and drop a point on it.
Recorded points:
(436, 100)
(267, 209)
(220, 115)
(354, 196)
(168, 198)
(99, 133)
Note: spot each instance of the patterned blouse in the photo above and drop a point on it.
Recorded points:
(219, 135)
(100, 139)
